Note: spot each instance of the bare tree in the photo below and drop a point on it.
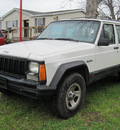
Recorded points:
(74, 3)
(109, 8)
(91, 8)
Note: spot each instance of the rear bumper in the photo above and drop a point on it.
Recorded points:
(27, 88)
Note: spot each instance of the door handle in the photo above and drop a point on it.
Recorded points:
(116, 47)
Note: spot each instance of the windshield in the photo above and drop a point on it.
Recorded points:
(82, 31)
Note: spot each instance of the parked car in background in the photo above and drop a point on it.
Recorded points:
(2, 39)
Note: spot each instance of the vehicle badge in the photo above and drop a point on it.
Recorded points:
(6, 52)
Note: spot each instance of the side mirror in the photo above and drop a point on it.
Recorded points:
(103, 42)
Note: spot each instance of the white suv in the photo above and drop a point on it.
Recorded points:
(61, 62)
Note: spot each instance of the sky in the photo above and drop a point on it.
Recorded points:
(37, 5)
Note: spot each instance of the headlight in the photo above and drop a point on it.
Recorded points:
(34, 67)
(33, 72)
(36, 72)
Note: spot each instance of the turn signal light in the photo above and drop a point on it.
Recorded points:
(42, 73)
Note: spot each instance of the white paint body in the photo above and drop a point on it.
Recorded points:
(57, 52)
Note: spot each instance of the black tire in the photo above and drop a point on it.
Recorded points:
(69, 97)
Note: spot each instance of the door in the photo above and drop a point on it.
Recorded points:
(107, 56)
(26, 30)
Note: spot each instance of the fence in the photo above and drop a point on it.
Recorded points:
(28, 33)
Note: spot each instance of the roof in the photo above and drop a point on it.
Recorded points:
(35, 13)
(60, 12)
(29, 11)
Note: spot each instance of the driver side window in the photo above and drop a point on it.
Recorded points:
(108, 33)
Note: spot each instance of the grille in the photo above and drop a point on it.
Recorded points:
(13, 66)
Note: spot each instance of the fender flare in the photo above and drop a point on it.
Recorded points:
(63, 70)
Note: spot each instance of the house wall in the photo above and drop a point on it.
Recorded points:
(48, 19)
(12, 17)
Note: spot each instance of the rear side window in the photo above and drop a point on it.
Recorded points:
(118, 32)
(108, 32)
(1, 35)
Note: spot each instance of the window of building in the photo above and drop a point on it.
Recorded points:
(118, 32)
(108, 32)
(1, 35)
(39, 22)
(15, 23)
(0, 25)
(11, 24)
(35, 21)
(8, 24)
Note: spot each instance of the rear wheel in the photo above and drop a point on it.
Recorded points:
(70, 96)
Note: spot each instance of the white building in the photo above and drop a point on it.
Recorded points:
(32, 19)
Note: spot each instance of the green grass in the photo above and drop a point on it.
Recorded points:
(100, 112)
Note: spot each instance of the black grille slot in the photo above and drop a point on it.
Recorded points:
(13, 66)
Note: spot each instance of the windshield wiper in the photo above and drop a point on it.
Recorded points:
(67, 39)
(44, 39)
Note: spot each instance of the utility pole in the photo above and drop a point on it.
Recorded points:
(20, 20)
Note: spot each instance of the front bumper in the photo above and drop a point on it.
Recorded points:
(25, 87)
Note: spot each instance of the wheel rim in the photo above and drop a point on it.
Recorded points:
(73, 96)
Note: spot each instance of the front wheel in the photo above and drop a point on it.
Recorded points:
(70, 96)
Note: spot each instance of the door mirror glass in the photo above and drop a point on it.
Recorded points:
(103, 42)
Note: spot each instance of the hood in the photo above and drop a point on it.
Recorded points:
(39, 47)
(46, 47)
(15, 50)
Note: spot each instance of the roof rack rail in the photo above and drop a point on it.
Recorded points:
(100, 18)
(83, 18)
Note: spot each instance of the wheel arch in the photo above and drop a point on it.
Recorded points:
(68, 68)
